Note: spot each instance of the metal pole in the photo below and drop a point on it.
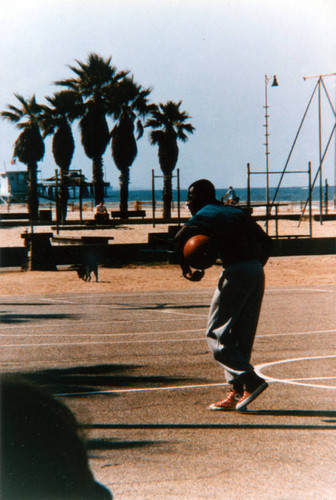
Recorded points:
(320, 149)
(318, 170)
(267, 151)
(61, 196)
(248, 185)
(178, 197)
(318, 76)
(56, 201)
(153, 197)
(80, 196)
(335, 163)
(310, 202)
(318, 84)
(293, 145)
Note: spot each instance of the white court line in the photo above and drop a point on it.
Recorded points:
(140, 341)
(176, 388)
(140, 334)
(143, 389)
(173, 388)
(91, 322)
(174, 293)
(181, 313)
(134, 307)
(192, 292)
(128, 295)
(311, 332)
(298, 289)
(311, 378)
(63, 344)
(259, 369)
(125, 307)
(122, 334)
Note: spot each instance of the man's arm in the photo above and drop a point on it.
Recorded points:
(180, 239)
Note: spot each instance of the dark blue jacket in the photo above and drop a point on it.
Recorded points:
(238, 236)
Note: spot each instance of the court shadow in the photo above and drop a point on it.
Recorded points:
(39, 304)
(225, 426)
(293, 413)
(115, 444)
(21, 318)
(85, 379)
(163, 306)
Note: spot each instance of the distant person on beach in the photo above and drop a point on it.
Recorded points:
(230, 197)
(42, 455)
(101, 215)
(244, 249)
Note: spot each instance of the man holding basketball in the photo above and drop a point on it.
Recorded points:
(243, 248)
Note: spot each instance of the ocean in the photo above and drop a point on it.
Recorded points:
(285, 194)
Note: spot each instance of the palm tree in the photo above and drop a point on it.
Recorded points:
(127, 103)
(91, 79)
(168, 124)
(66, 105)
(29, 146)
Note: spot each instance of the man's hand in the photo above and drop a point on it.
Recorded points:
(194, 275)
(182, 236)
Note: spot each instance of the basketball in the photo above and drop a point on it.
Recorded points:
(200, 252)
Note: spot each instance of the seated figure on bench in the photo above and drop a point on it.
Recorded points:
(101, 215)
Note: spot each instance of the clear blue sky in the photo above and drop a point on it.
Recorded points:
(211, 54)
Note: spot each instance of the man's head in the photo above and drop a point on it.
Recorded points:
(200, 193)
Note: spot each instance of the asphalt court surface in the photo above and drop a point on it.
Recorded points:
(136, 370)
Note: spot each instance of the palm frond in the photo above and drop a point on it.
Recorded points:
(24, 125)
(170, 119)
(22, 100)
(188, 127)
(12, 117)
(140, 129)
(156, 136)
(66, 103)
(71, 83)
(30, 111)
(92, 75)
(15, 109)
(153, 123)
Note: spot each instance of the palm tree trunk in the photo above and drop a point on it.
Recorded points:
(167, 196)
(98, 179)
(124, 182)
(32, 198)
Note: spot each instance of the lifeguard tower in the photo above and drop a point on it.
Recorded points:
(13, 186)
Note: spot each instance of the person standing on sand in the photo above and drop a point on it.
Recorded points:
(244, 249)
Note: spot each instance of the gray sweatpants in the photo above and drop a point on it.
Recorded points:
(233, 317)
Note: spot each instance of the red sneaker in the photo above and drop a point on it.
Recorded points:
(227, 404)
(250, 395)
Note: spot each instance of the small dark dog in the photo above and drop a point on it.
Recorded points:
(84, 271)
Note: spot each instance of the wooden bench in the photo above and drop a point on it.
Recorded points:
(116, 214)
(14, 216)
(83, 240)
(44, 215)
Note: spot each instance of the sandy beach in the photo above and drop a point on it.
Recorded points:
(280, 271)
